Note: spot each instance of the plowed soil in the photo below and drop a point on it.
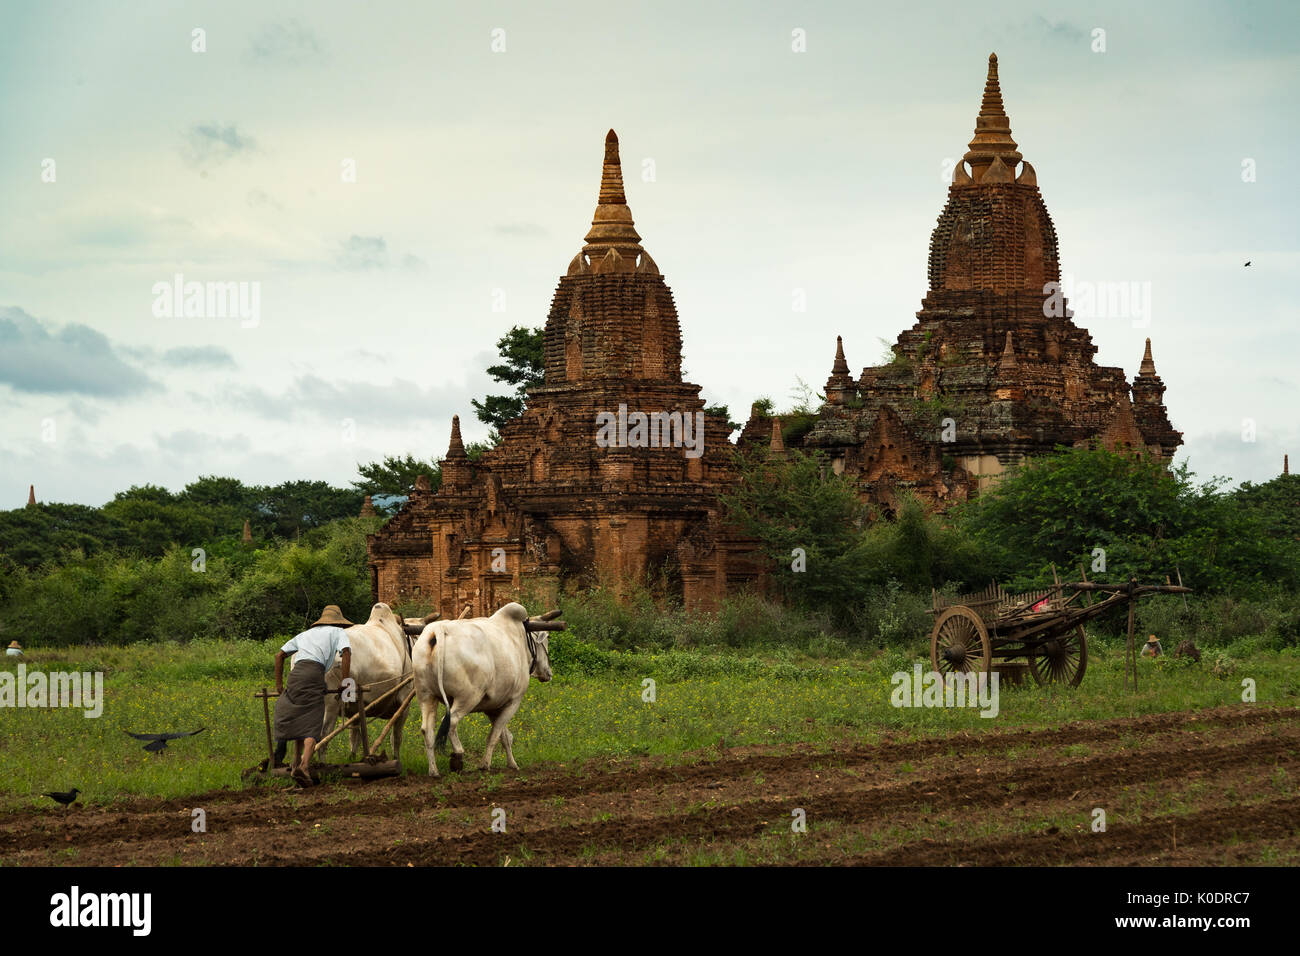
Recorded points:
(1213, 787)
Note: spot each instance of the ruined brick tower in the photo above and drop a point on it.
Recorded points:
(994, 368)
(559, 499)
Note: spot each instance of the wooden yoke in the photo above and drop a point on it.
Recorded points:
(545, 622)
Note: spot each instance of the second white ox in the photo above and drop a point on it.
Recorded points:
(379, 656)
(480, 665)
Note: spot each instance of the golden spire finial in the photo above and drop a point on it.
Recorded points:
(992, 130)
(612, 225)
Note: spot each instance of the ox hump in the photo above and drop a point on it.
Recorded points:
(513, 611)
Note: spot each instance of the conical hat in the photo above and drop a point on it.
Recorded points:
(15, 644)
(333, 617)
(1153, 639)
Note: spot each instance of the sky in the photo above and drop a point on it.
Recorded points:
(391, 186)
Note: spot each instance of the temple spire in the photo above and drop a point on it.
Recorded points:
(839, 386)
(992, 131)
(247, 536)
(776, 447)
(31, 496)
(841, 366)
(367, 508)
(612, 226)
(456, 450)
(1148, 367)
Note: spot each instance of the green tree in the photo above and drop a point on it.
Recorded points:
(809, 522)
(524, 366)
(1149, 519)
(396, 476)
(152, 520)
(53, 533)
(295, 506)
(1277, 503)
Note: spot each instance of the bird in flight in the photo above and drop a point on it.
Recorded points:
(64, 798)
(1247, 262)
(158, 742)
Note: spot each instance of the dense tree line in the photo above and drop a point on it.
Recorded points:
(1113, 515)
(128, 571)
(147, 520)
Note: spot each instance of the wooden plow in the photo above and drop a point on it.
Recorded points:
(1041, 631)
(375, 763)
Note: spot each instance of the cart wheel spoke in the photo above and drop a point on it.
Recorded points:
(959, 642)
(1060, 659)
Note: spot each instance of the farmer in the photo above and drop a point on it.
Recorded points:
(300, 711)
(1152, 648)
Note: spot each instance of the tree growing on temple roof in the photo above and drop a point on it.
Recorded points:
(523, 367)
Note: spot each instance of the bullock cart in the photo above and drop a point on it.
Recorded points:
(1038, 630)
(375, 763)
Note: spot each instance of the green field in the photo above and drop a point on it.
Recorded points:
(592, 709)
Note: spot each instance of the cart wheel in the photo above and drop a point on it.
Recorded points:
(960, 642)
(1061, 660)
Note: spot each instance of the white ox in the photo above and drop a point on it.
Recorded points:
(480, 665)
(379, 653)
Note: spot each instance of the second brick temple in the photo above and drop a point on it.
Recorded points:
(994, 370)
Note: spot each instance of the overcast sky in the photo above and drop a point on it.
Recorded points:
(752, 171)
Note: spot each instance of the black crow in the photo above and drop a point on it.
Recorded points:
(1247, 262)
(63, 798)
(158, 742)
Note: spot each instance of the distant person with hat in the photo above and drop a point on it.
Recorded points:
(14, 649)
(300, 711)
(1152, 648)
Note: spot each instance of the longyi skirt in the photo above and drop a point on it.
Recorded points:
(300, 710)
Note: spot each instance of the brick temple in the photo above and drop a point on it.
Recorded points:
(994, 370)
(553, 501)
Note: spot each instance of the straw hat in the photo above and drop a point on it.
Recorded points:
(1153, 639)
(15, 644)
(332, 617)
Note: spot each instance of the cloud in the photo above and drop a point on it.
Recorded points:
(210, 356)
(524, 230)
(1062, 30)
(75, 359)
(362, 402)
(283, 44)
(363, 252)
(188, 442)
(209, 144)
(260, 197)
